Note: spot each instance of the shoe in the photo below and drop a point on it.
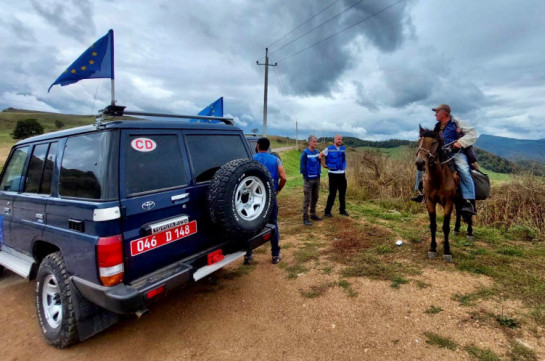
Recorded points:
(345, 213)
(328, 215)
(468, 207)
(306, 222)
(316, 218)
(248, 260)
(418, 198)
(276, 259)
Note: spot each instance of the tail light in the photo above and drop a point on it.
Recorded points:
(110, 260)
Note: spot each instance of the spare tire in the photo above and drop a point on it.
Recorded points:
(240, 198)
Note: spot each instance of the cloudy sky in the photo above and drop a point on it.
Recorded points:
(365, 68)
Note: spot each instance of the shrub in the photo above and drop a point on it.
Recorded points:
(27, 128)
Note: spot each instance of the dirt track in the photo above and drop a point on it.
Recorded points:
(262, 315)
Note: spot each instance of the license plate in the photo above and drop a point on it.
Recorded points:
(144, 244)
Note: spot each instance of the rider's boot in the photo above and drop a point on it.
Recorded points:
(419, 197)
(469, 206)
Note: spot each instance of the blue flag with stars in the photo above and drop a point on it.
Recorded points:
(95, 62)
(213, 110)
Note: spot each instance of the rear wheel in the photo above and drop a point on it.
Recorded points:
(54, 302)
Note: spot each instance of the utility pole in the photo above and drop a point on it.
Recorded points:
(266, 85)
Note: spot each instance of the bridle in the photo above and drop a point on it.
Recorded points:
(430, 154)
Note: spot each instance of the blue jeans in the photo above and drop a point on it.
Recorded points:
(275, 241)
(466, 182)
(418, 178)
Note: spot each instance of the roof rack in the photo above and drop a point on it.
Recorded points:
(118, 111)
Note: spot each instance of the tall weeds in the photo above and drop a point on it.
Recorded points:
(374, 175)
(520, 203)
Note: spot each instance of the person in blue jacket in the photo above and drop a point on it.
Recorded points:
(278, 174)
(310, 168)
(334, 159)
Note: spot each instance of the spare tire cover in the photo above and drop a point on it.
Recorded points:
(240, 197)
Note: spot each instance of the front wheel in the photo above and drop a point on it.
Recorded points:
(54, 302)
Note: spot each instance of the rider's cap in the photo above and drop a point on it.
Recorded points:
(444, 107)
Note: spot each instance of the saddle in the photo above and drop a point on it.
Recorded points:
(480, 179)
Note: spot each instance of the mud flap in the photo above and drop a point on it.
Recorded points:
(91, 318)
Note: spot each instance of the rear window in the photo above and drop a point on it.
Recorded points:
(209, 152)
(87, 168)
(153, 162)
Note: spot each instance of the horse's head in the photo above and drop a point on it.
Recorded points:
(428, 148)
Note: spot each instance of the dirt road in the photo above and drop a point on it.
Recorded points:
(257, 313)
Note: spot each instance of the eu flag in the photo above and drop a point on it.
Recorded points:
(214, 110)
(95, 62)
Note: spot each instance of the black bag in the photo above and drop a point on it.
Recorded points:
(482, 184)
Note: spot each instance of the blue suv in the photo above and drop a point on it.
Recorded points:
(110, 217)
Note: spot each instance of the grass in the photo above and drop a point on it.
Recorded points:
(432, 310)
(435, 339)
(481, 354)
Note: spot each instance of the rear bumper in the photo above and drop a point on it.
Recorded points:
(132, 298)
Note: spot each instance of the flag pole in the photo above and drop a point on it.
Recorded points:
(113, 69)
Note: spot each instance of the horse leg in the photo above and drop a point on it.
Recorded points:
(447, 256)
(458, 220)
(470, 236)
(432, 253)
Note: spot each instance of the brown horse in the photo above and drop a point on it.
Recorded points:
(439, 187)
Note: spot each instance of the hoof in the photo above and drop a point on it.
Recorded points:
(471, 238)
(447, 257)
(456, 232)
(432, 254)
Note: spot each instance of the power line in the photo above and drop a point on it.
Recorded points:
(280, 80)
(306, 21)
(340, 31)
(319, 25)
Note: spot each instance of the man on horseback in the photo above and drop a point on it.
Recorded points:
(458, 134)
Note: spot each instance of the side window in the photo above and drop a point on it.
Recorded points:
(48, 170)
(209, 152)
(84, 166)
(153, 162)
(35, 169)
(14, 170)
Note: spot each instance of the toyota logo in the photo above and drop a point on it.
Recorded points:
(148, 205)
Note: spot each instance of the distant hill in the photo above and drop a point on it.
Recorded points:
(513, 149)
(357, 142)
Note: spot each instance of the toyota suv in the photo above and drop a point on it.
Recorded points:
(110, 217)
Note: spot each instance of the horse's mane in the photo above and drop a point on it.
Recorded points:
(428, 133)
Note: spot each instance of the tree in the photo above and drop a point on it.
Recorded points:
(59, 124)
(255, 130)
(27, 128)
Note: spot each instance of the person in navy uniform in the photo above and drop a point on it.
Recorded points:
(278, 174)
(310, 168)
(334, 159)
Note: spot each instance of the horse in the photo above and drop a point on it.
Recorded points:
(439, 187)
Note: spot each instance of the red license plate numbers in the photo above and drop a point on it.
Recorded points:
(144, 244)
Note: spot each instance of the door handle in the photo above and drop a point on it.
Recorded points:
(7, 210)
(40, 217)
(179, 196)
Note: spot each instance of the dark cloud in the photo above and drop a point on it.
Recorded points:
(73, 18)
(314, 69)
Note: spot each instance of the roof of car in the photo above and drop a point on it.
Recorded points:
(133, 124)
